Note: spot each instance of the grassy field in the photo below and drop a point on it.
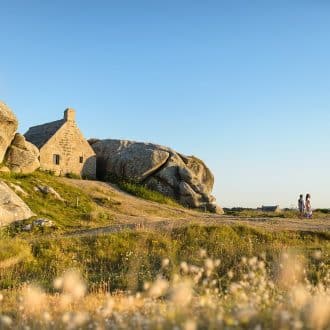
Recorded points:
(124, 261)
(190, 277)
(78, 210)
(217, 268)
(142, 191)
(284, 214)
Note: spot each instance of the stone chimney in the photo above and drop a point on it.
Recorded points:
(69, 114)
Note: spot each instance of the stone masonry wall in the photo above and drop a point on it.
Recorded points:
(70, 144)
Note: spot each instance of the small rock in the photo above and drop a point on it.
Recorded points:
(214, 208)
(18, 189)
(4, 169)
(46, 190)
(27, 227)
(43, 223)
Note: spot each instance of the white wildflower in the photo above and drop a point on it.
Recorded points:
(33, 300)
(299, 296)
(209, 264)
(158, 288)
(181, 294)
(253, 261)
(71, 284)
(6, 321)
(190, 325)
(317, 255)
(184, 267)
(202, 253)
(165, 263)
(319, 312)
(107, 309)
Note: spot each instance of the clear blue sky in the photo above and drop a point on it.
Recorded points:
(244, 85)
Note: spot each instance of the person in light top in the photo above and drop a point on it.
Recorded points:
(308, 206)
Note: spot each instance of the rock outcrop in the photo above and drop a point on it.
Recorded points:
(8, 127)
(187, 179)
(4, 169)
(22, 156)
(18, 189)
(12, 208)
(49, 191)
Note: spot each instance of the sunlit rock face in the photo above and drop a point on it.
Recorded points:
(12, 207)
(186, 179)
(8, 127)
(22, 156)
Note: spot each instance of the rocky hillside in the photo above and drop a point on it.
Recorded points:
(63, 205)
(185, 179)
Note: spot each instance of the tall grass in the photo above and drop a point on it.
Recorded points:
(187, 296)
(140, 190)
(124, 261)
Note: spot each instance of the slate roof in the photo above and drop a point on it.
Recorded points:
(40, 135)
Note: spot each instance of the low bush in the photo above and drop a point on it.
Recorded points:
(140, 190)
(73, 176)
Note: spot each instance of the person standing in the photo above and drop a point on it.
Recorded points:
(308, 206)
(301, 206)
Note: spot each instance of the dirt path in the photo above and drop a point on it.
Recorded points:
(129, 212)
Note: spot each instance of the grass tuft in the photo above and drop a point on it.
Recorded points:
(141, 191)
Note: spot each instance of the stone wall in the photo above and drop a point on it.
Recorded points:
(70, 145)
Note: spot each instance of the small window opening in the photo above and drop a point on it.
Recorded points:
(56, 159)
(81, 159)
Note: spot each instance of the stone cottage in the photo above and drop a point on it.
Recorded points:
(63, 149)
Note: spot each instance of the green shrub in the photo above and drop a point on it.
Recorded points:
(140, 190)
(146, 193)
(73, 176)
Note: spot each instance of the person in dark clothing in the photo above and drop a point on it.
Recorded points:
(301, 206)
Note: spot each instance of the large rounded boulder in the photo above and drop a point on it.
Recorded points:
(8, 127)
(12, 207)
(22, 156)
(187, 179)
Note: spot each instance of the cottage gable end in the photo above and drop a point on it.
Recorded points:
(63, 148)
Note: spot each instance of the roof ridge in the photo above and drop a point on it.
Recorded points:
(39, 135)
(49, 123)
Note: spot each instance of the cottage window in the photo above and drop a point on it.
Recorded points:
(56, 159)
(81, 159)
